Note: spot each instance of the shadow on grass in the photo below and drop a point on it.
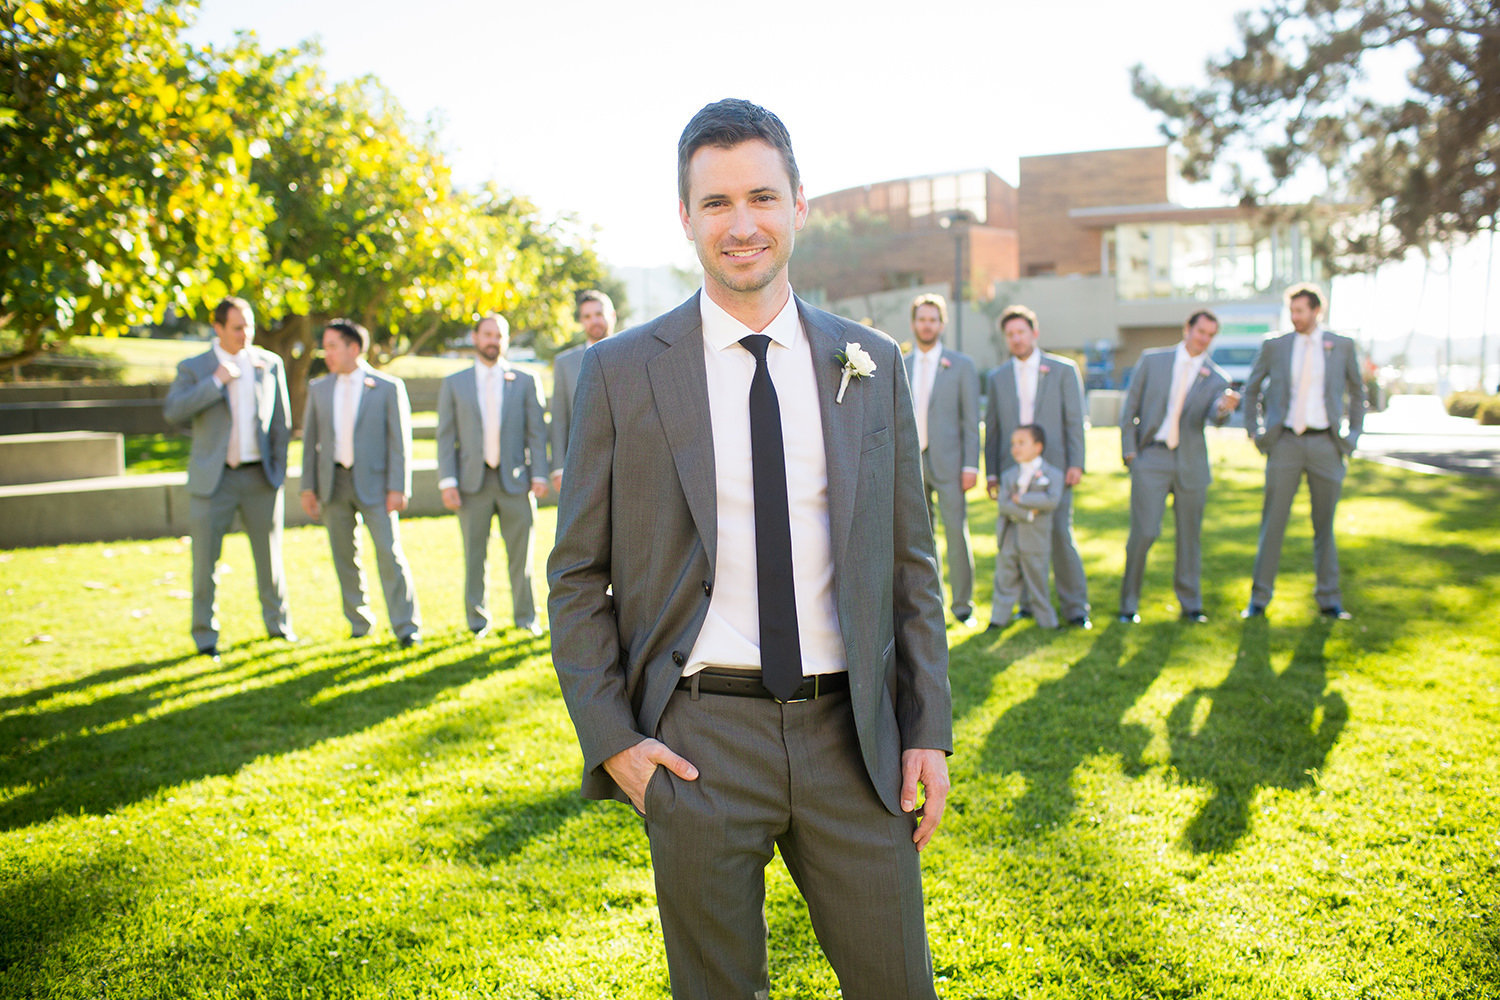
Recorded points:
(1261, 730)
(1074, 717)
(119, 749)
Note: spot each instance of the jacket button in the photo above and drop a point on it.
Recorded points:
(677, 658)
(708, 589)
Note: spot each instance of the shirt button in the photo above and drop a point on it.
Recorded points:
(708, 588)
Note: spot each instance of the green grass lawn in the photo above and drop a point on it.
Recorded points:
(148, 453)
(1288, 808)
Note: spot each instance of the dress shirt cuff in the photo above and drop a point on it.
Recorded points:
(447, 484)
(971, 468)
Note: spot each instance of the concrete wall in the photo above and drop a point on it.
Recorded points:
(45, 458)
(126, 416)
(53, 392)
(150, 506)
(1071, 312)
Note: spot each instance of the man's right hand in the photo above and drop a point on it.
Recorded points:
(310, 505)
(451, 499)
(633, 768)
(992, 487)
(557, 482)
(226, 374)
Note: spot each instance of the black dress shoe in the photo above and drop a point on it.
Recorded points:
(968, 621)
(1197, 617)
(1128, 618)
(1336, 612)
(994, 627)
(291, 637)
(408, 641)
(1024, 613)
(212, 652)
(1254, 611)
(1082, 621)
(481, 632)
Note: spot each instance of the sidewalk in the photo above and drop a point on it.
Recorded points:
(1424, 415)
(1416, 433)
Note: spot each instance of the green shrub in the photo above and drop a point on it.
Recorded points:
(1465, 404)
(1489, 411)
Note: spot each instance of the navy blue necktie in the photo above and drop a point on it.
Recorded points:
(780, 642)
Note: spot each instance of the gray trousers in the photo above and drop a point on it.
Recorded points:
(1020, 577)
(247, 491)
(516, 512)
(953, 507)
(1318, 456)
(1154, 474)
(787, 777)
(341, 515)
(1067, 567)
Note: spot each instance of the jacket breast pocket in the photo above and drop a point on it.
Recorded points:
(875, 439)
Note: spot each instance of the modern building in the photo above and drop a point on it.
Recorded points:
(1096, 242)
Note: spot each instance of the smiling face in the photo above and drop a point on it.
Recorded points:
(742, 215)
(1198, 336)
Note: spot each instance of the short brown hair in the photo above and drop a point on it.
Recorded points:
(1017, 312)
(228, 302)
(351, 331)
(1207, 314)
(1306, 290)
(593, 295)
(500, 321)
(936, 301)
(724, 125)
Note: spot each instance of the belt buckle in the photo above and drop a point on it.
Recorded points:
(796, 701)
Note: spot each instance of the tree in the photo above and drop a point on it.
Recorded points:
(1294, 94)
(123, 181)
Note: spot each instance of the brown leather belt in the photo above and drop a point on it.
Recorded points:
(749, 686)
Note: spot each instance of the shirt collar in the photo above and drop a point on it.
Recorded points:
(935, 355)
(1316, 333)
(1032, 467)
(1033, 363)
(1183, 357)
(224, 355)
(721, 330)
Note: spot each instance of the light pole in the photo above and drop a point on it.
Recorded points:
(957, 223)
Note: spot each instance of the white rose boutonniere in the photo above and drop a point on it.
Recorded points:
(857, 364)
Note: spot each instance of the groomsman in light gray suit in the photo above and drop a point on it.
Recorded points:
(595, 312)
(1175, 391)
(1034, 387)
(356, 465)
(492, 461)
(945, 394)
(747, 620)
(1304, 409)
(234, 397)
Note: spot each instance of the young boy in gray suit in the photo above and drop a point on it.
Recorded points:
(1028, 492)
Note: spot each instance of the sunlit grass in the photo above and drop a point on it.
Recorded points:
(1294, 808)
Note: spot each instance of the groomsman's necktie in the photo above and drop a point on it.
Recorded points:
(491, 420)
(1304, 384)
(1184, 379)
(780, 641)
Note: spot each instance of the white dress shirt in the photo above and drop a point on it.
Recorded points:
(1027, 374)
(731, 630)
(246, 423)
(1184, 369)
(347, 391)
(1307, 349)
(925, 375)
(489, 415)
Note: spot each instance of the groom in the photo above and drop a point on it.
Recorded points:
(746, 617)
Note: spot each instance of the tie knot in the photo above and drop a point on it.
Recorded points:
(757, 344)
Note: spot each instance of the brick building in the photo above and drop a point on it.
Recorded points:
(1094, 241)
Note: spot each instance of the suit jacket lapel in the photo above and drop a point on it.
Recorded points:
(843, 424)
(679, 383)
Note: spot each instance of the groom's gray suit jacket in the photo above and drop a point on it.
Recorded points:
(638, 515)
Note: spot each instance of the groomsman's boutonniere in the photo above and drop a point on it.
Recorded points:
(1043, 369)
(857, 364)
(1203, 372)
(1327, 345)
(510, 376)
(369, 382)
(946, 363)
(1039, 481)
